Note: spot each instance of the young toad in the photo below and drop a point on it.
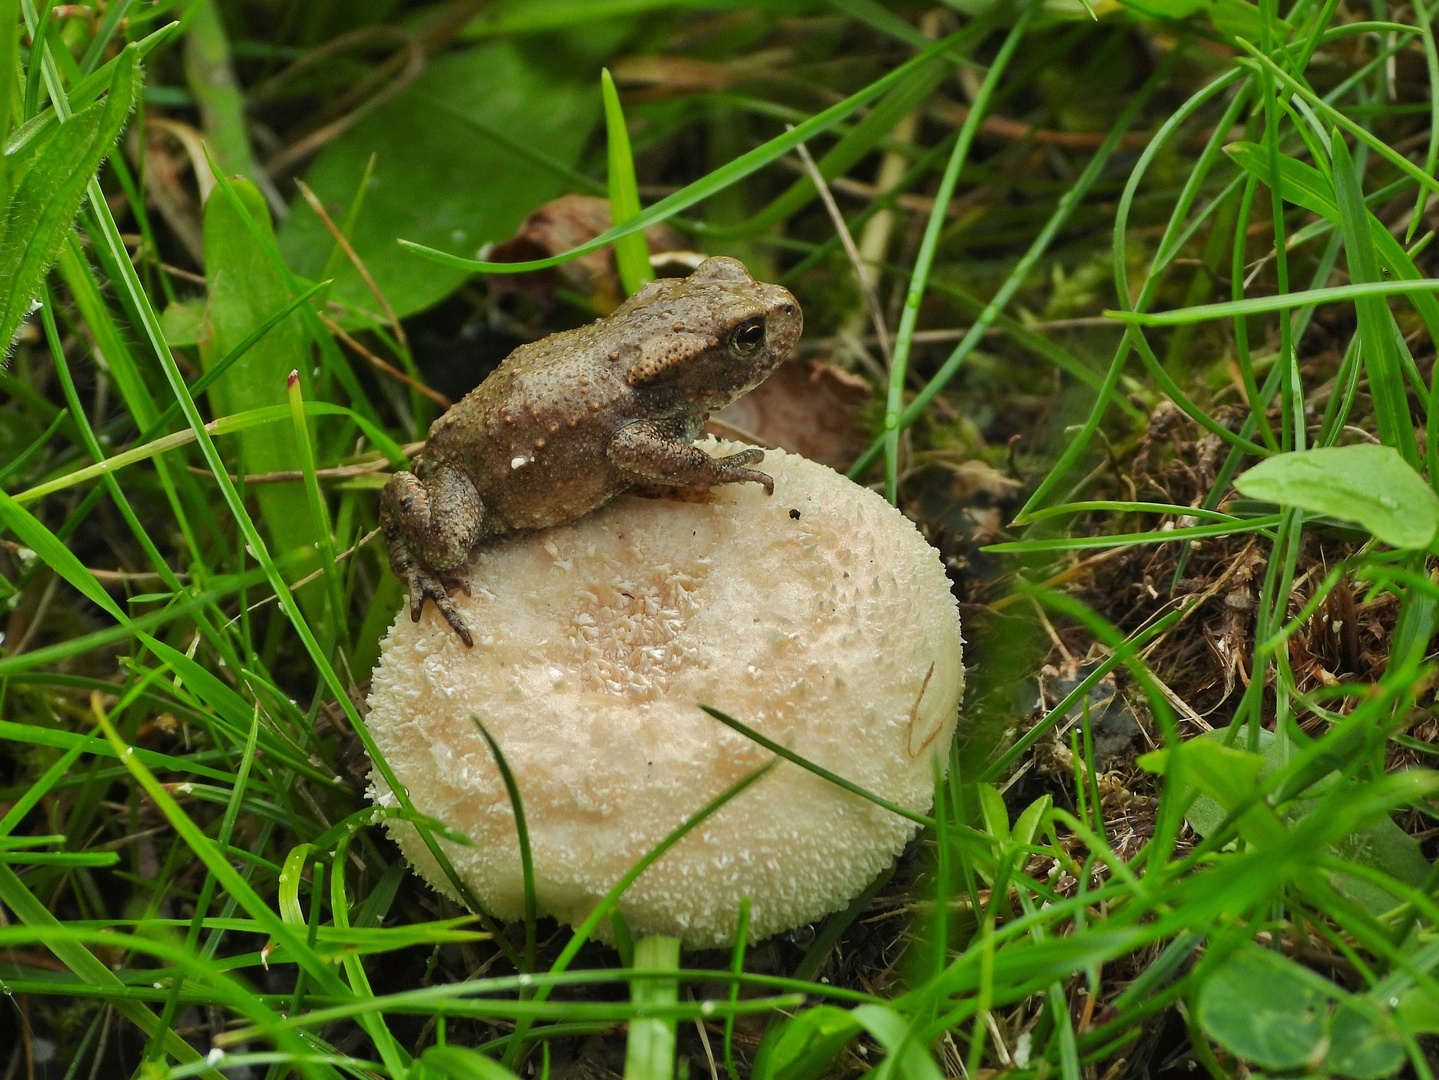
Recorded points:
(565, 424)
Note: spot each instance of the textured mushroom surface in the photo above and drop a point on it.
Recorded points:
(818, 616)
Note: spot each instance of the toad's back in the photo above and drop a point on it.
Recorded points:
(533, 435)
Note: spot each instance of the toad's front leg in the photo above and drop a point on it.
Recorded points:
(430, 525)
(653, 451)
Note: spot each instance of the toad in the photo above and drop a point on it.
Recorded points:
(566, 423)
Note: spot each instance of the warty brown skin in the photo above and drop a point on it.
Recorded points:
(565, 424)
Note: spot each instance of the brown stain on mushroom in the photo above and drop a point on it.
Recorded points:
(914, 719)
(628, 635)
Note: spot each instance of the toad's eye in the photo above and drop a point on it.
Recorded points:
(748, 337)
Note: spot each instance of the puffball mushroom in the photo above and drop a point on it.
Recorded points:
(817, 616)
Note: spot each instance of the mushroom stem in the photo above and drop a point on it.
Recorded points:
(650, 1053)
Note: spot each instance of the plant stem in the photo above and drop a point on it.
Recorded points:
(650, 1054)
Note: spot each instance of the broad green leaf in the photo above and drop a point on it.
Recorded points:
(246, 289)
(1260, 1006)
(1276, 1014)
(1205, 814)
(1234, 18)
(1379, 843)
(1383, 845)
(462, 155)
(50, 189)
(1027, 825)
(895, 1034)
(1224, 774)
(1362, 1045)
(801, 1048)
(995, 813)
(207, 55)
(9, 81)
(183, 323)
(1368, 484)
(1418, 1010)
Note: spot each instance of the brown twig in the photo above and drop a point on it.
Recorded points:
(866, 285)
(1079, 569)
(355, 261)
(1002, 127)
(296, 585)
(979, 198)
(404, 65)
(285, 476)
(389, 369)
(138, 578)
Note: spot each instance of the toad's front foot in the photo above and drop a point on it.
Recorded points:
(652, 450)
(424, 583)
(736, 472)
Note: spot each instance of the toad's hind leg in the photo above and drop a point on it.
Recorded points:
(430, 525)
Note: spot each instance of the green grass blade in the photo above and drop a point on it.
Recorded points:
(84, 963)
(632, 253)
(853, 145)
(320, 524)
(741, 942)
(650, 1048)
(1306, 186)
(1334, 116)
(393, 1055)
(522, 834)
(1169, 243)
(1386, 382)
(708, 185)
(1065, 206)
(1261, 304)
(919, 278)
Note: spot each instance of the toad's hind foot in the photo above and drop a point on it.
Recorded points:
(437, 588)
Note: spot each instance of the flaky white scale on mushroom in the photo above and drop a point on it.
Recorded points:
(819, 616)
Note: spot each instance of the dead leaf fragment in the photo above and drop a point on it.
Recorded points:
(561, 225)
(807, 407)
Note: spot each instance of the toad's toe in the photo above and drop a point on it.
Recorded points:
(435, 587)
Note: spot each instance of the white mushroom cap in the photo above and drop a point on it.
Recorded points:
(818, 616)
